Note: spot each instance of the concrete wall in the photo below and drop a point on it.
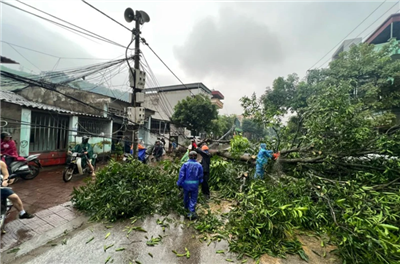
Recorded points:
(98, 149)
(154, 102)
(25, 136)
(119, 105)
(12, 114)
(41, 95)
(74, 139)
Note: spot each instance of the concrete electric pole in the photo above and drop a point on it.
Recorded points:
(137, 77)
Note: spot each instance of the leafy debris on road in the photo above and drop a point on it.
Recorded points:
(154, 241)
(13, 250)
(107, 260)
(107, 247)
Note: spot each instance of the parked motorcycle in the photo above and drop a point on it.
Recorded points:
(6, 204)
(34, 166)
(27, 169)
(74, 166)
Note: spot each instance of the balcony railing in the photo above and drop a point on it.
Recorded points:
(378, 47)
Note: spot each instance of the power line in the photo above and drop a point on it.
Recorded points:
(51, 87)
(107, 15)
(161, 104)
(156, 84)
(54, 56)
(340, 42)
(162, 100)
(381, 17)
(144, 42)
(369, 26)
(26, 58)
(66, 22)
(64, 26)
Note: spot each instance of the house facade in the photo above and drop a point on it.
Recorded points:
(346, 46)
(217, 98)
(162, 100)
(389, 29)
(49, 130)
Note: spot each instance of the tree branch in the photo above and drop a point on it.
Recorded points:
(297, 132)
(296, 150)
(381, 186)
(279, 140)
(318, 159)
(395, 128)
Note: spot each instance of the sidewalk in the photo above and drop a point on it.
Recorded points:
(20, 231)
(45, 191)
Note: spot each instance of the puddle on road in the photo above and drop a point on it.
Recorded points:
(74, 249)
(86, 245)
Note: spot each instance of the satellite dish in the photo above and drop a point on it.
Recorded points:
(129, 15)
(142, 16)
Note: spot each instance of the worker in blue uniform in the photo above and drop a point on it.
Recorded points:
(190, 177)
(262, 159)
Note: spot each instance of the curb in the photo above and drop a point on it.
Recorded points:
(46, 226)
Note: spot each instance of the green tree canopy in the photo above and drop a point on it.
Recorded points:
(344, 143)
(254, 129)
(195, 113)
(222, 125)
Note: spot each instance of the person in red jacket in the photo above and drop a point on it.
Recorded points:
(8, 148)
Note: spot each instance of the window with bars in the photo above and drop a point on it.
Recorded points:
(93, 126)
(159, 127)
(49, 132)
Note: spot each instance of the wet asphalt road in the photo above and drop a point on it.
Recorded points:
(72, 248)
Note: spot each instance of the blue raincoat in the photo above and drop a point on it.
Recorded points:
(190, 176)
(262, 159)
(142, 155)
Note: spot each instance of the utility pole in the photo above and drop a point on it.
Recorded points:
(135, 88)
(137, 78)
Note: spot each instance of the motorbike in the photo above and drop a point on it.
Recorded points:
(28, 168)
(34, 166)
(74, 166)
(6, 204)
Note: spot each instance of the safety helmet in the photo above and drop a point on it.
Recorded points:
(192, 155)
(204, 148)
(85, 139)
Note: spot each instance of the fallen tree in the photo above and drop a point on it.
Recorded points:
(343, 147)
(339, 177)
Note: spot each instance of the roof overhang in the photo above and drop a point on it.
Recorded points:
(180, 87)
(6, 60)
(217, 94)
(12, 98)
(388, 21)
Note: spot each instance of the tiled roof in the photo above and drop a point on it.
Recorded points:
(13, 98)
(7, 60)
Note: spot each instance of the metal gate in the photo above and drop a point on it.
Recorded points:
(49, 132)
